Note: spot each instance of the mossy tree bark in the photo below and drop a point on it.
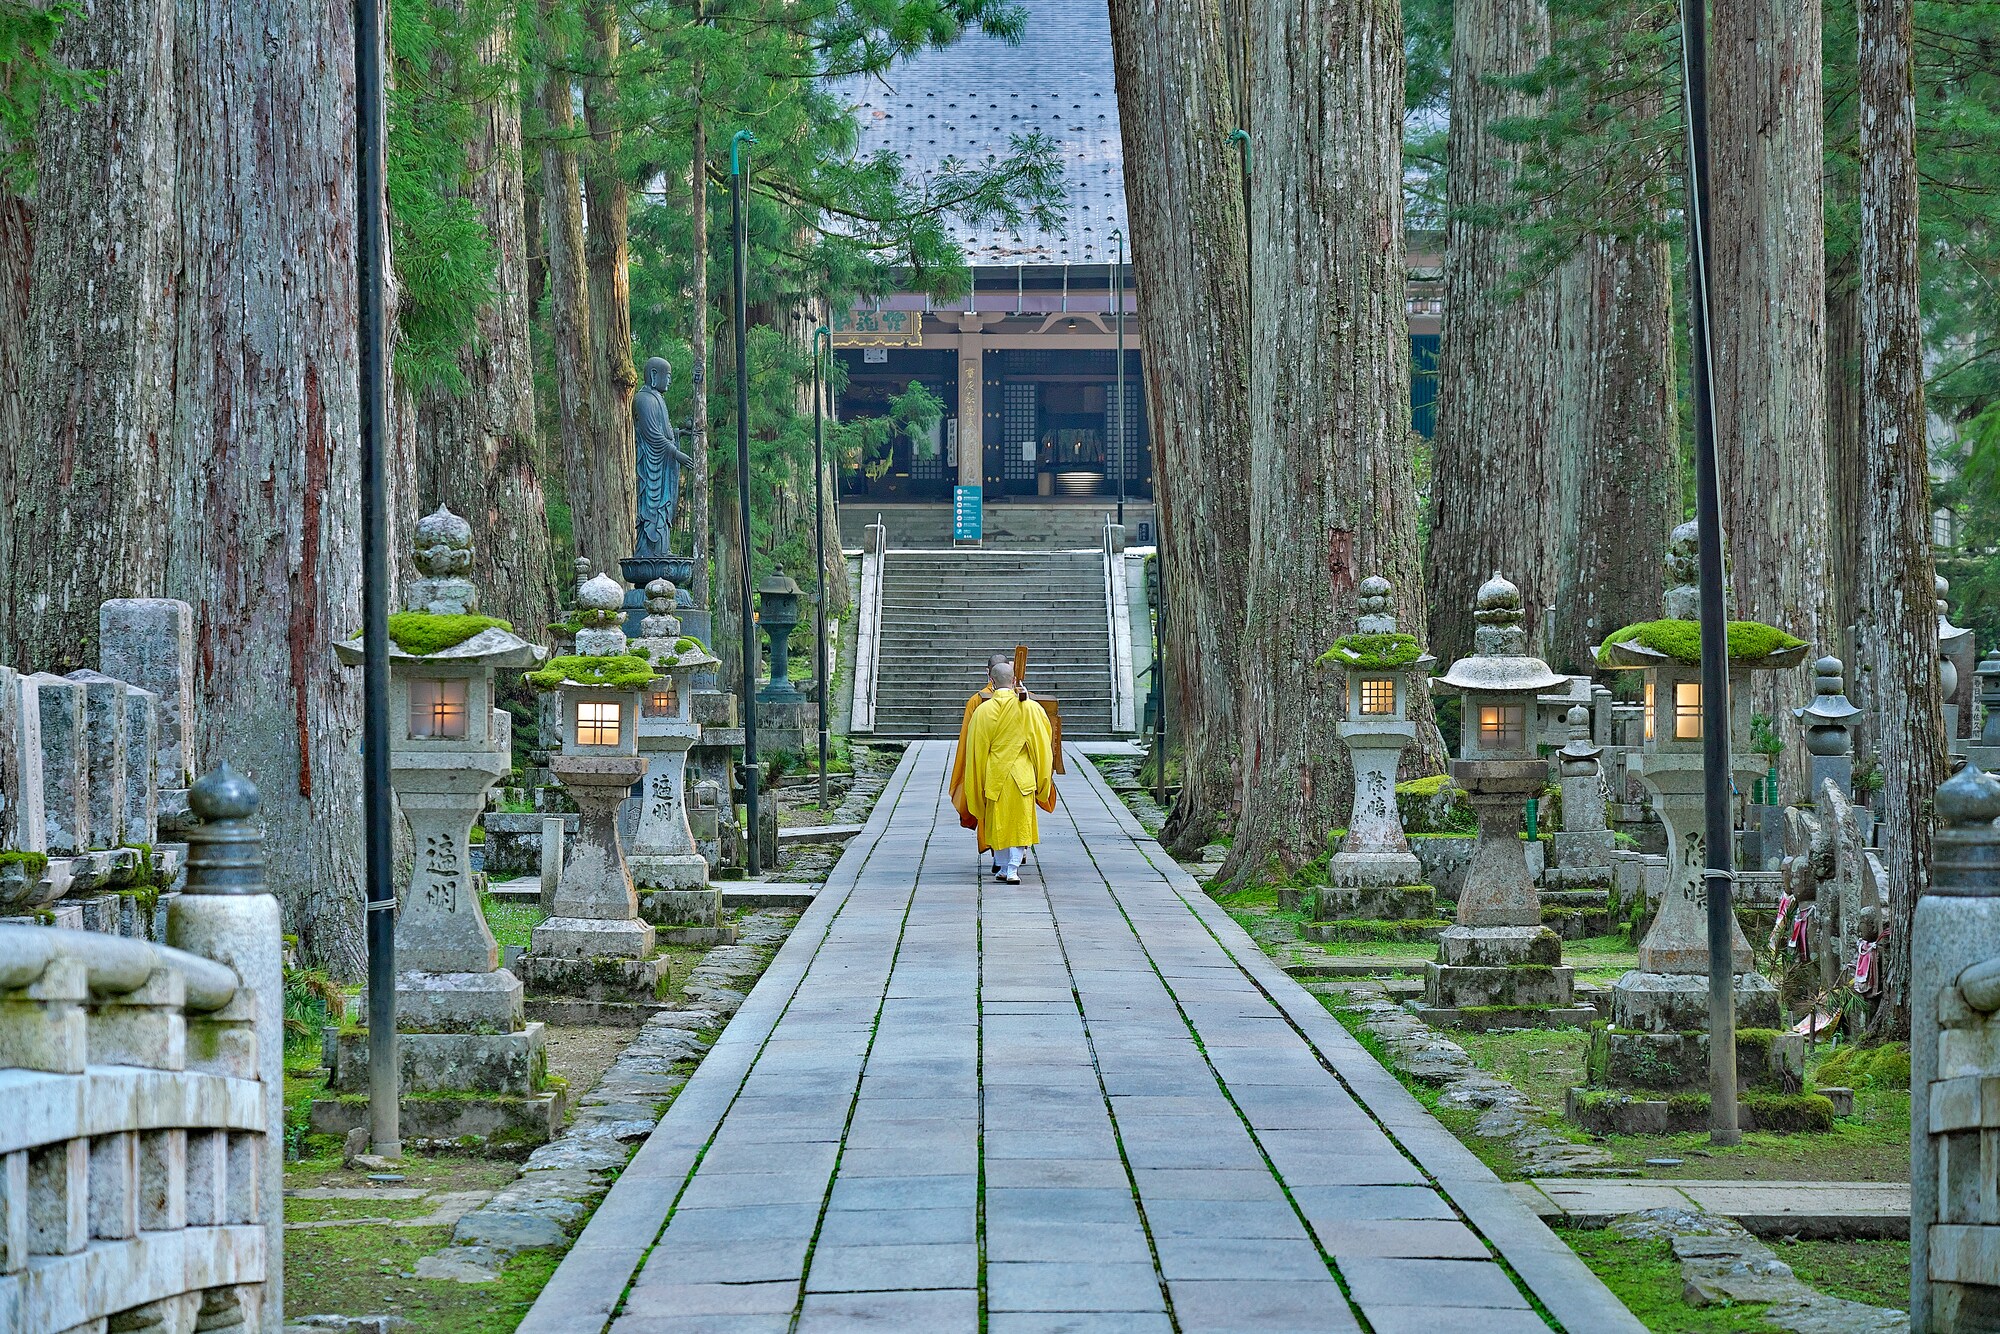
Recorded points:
(568, 289)
(1617, 442)
(477, 447)
(1190, 258)
(700, 521)
(92, 402)
(1910, 742)
(1332, 476)
(1768, 230)
(264, 481)
(1493, 468)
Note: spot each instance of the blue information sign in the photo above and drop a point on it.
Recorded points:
(965, 514)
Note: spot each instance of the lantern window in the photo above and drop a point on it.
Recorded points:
(1502, 725)
(662, 702)
(1649, 710)
(598, 722)
(437, 710)
(1378, 695)
(1687, 710)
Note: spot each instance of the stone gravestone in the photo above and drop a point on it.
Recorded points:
(668, 870)
(1828, 720)
(459, 1015)
(21, 820)
(149, 643)
(1651, 1065)
(1582, 848)
(1983, 750)
(594, 945)
(104, 755)
(1955, 1067)
(1374, 875)
(65, 764)
(1497, 965)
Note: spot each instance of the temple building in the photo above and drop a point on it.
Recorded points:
(1025, 363)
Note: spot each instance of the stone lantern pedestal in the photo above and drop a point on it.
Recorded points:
(787, 719)
(1497, 965)
(1374, 877)
(593, 944)
(472, 1067)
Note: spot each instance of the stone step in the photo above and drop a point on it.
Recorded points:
(1817, 1209)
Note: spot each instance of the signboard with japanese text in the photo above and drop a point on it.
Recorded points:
(878, 328)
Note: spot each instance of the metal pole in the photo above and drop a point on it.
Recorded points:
(1159, 582)
(819, 536)
(384, 1073)
(739, 237)
(1119, 270)
(1719, 876)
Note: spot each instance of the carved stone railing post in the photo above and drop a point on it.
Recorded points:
(1954, 1069)
(228, 914)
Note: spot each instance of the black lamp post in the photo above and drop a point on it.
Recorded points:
(1118, 274)
(384, 1074)
(822, 348)
(1719, 829)
(739, 238)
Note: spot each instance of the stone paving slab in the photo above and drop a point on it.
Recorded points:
(1767, 1208)
(1088, 1102)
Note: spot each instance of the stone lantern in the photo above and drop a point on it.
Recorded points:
(667, 868)
(1656, 1047)
(777, 612)
(1374, 874)
(1827, 720)
(594, 944)
(458, 1012)
(1498, 958)
(1985, 752)
(1954, 643)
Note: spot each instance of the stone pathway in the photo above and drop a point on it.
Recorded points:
(1767, 1208)
(1086, 1103)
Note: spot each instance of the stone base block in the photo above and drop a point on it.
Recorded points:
(594, 979)
(1584, 849)
(591, 938)
(1481, 1018)
(1765, 1058)
(1607, 1112)
(704, 936)
(661, 871)
(566, 1012)
(1369, 928)
(497, 1124)
(1499, 946)
(1589, 875)
(457, 1002)
(1400, 902)
(512, 1064)
(1370, 870)
(1576, 923)
(683, 907)
(1678, 1002)
(1458, 987)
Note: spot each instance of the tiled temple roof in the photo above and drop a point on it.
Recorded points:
(969, 100)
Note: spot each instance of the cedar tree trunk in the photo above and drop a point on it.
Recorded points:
(700, 525)
(606, 513)
(1191, 261)
(568, 293)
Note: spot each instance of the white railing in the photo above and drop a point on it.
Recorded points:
(1118, 616)
(868, 630)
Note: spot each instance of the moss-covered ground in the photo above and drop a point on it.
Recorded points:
(369, 1269)
(1646, 1277)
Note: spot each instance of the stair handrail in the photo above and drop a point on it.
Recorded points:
(1118, 622)
(868, 629)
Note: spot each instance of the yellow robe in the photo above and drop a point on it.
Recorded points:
(1008, 771)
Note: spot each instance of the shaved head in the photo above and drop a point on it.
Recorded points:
(1003, 673)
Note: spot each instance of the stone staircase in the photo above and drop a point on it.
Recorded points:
(944, 612)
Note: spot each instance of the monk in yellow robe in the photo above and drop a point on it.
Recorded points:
(966, 818)
(1008, 774)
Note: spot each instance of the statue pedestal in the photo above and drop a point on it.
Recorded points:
(594, 945)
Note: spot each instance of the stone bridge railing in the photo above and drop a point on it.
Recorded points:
(141, 1107)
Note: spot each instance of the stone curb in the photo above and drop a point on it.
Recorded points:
(1574, 1295)
(1826, 1210)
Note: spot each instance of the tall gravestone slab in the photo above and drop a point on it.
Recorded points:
(459, 1015)
(21, 823)
(668, 870)
(149, 643)
(65, 764)
(1582, 848)
(142, 765)
(104, 755)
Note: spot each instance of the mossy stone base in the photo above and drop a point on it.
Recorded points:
(1369, 929)
(591, 979)
(510, 1064)
(1396, 903)
(1454, 987)
(1678, 1002)
(1765, 1059)
(1499, 946)
(497, 1124)
(1603, 1112)
(1576, 923)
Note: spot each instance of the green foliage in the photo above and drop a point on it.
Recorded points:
(1764, 737)
(1749, 641)
(621, 671)
(1377, 651)
(438, 99)
(313, 1001)
(29, 76)
(34, 865)
(1645, 1276)
(425, 632)
(1435, 805)
(1787, 1113)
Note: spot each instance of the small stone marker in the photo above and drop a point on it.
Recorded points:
(21, 822)
(1584, 845)
(104, 754)
(65, 763)
(149, 643)
(668, 869)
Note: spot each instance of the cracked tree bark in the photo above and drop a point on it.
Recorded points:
(1190, 260)
(606, 515)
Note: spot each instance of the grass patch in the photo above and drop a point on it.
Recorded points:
(368, 1269)
(318, 1211)
(512, 923)
(1645, 1276)
(1875, 1272)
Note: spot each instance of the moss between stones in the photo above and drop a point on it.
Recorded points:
(423, 632)
(34, 865)
(1365, 928)
(1749, 641)
(1867, 1067)
(1810, 1113)
(1374, 651)
(622, 671)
